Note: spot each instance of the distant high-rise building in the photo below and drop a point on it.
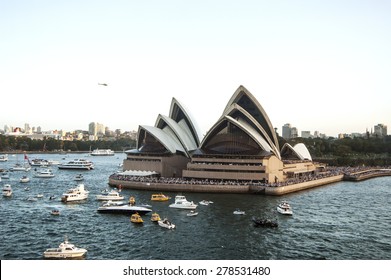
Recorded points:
(294, 132)
(380, 130)
(286, 131)
(306, 134)
(95, 129)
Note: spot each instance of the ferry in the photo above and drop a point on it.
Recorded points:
(81, 164)
(102, 152)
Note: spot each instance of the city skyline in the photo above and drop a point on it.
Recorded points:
(320, 66)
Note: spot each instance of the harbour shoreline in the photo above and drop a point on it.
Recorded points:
(252, 189)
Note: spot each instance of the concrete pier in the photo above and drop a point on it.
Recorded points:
(243, 188)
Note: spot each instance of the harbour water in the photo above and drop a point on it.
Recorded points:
(342, 221)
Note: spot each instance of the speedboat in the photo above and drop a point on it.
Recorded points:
(159, 197)
(65, 250)
(166, 224)
(182, 203)
(102, 152)
(45, 173)
(239, 212)
(55, 212)
(24, 179)
(7, 190)
(79, 177)
(75, 194)
(112, 195)
(204, 202)
(80, 164)
(116, 208)
(284, 208)
(192, 213)
(155, 217)
(136, 218)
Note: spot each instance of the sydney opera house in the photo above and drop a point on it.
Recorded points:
(242, 146)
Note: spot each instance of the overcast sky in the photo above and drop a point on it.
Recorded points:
(319, 65)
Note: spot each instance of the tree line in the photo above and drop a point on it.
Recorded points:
(16, 144)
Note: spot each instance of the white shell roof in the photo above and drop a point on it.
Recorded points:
(170, 143)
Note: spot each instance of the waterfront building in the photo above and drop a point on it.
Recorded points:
(242, 146)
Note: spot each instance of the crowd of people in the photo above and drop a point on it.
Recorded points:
(328, 172)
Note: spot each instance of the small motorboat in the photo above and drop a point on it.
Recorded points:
(159, 197)
(55, 212)
(284, 208)
(204, 202)
(40, 195)
(24, 179)
(182, 203)
(239, 212)
(65, 250)
(7, 190)
(79, 177)
(192, 213)
(264, 222)
(52, 197)
(155, 217)
(136, 218)
(166, 224)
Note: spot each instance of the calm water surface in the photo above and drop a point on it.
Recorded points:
(339, 221)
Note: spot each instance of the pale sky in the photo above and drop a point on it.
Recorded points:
(319, 65)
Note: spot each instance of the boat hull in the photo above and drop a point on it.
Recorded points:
(284, 211)
(124, 209)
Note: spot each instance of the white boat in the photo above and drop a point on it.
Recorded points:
(204, 202)
(79, 177)
(284, 208)
(65, 250)
(239, 212)
(39, 162)
(7, 190)
(111, 195)
(21, 167)
(192, 213)
(24, 179)
(3, 158)
(45, 173)
(5, 175)
(81, 164)
(102, 152)
(166, 224)
(113, 207)
(75, 194)
(182, 203)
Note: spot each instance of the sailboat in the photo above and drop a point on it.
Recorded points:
(22, 167)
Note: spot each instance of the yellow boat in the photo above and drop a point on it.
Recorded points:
(155, 217)
(159, 197)
(132, 200)
(136, 218)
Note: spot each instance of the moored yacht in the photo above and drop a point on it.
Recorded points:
(182, 203)
(114, 207)
(75, 194)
